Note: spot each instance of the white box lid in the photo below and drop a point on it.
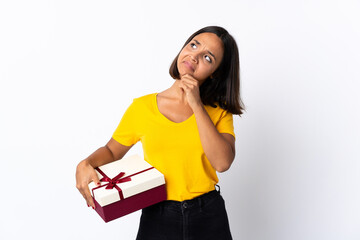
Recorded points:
(139, 183)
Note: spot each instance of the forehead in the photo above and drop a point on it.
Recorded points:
(211, 42)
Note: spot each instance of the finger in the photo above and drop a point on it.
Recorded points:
(188, 75)
(190, 82)
(184, 75)
(88, 197)
(95, 179)
(189, 87)
(188, 79)
(85, 192)
(185, 87)
(182, 85)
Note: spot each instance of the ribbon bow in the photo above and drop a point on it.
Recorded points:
(117, 179)
(113, 181)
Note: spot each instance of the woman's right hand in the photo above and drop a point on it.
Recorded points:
(85, 174)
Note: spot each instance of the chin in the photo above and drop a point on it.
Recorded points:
(186, 72)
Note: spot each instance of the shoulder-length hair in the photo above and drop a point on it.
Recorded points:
(223, 86)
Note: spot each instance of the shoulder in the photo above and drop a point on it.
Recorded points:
(216, 111)
(143, 102)
(217, 114)
(145, 98)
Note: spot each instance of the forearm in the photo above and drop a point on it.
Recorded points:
(100, 157)
(218, 151)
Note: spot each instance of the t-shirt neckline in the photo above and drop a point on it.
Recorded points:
(165, 118)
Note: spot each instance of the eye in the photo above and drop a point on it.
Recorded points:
(208, 59)
(193, 45)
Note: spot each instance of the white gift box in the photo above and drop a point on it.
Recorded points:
(145, 187)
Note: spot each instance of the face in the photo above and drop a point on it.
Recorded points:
(201, 56)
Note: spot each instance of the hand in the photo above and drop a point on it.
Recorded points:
(85, 173)
(191, 88)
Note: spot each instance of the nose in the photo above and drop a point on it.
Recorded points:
(194, 58)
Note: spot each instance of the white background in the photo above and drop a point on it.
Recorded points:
(69, 69)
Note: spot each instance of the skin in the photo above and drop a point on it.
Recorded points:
(196, 62)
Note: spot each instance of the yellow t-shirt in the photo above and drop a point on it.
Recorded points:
(172, 148)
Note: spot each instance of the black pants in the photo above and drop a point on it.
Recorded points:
(201, 218)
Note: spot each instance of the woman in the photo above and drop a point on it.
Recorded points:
(187, 133)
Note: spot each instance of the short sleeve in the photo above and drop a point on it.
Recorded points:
(225, 123)
(126, 132)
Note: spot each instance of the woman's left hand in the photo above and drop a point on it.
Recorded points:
(191, 88)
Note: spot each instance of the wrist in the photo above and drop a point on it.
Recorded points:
(199, 107)
(85, 163)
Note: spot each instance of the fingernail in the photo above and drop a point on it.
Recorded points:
(88, 205)
(98, 183)
(93, 208)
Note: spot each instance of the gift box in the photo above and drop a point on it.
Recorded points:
(127, 185)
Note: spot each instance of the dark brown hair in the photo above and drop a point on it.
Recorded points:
(223, 87)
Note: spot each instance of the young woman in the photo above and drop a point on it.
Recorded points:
(187, 133)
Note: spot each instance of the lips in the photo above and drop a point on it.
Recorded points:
(189, 65)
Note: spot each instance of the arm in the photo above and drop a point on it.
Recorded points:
(85, 172)
(219, 148)
(112, 151)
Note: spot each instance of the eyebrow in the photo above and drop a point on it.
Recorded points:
(197, 42)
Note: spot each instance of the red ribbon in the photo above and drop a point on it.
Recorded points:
(112, 182)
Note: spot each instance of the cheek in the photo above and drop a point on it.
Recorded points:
(209, 69)
(205, 71)
(182, 53)
(180, 58)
